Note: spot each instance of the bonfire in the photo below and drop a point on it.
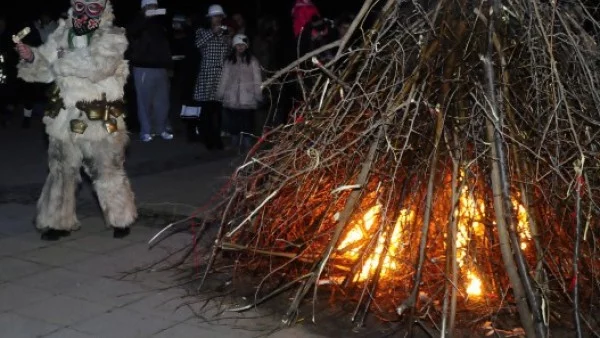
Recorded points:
(443, 167)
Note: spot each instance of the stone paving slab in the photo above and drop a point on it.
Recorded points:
(56, 255)
(183, 330)
(14, 296)
(56, 280)
(68, 333)
(167, 304)
(16, 326)
(109, 291)
(63, 310)
(122, 323)
(88, 285)
(13, 246)
(101, 243)
(13, 268)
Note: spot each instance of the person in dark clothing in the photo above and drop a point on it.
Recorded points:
(32, 95)
(316, 34)
(342, 25)
(8, 73)
(186, 62)
(150, 55)
(267, 47)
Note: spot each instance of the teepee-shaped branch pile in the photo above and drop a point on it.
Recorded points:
(446, 161)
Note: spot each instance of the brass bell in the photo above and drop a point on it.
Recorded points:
(78, 126)
(111, 125)
(116, 111)
(94, 114)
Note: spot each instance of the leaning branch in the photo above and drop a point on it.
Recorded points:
(296, 63)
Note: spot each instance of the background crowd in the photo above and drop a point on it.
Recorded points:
(212, 62)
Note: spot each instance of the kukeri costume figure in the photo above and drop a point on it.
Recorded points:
(84, 56)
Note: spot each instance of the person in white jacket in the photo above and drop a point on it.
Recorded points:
(84, 56)
(240, 91)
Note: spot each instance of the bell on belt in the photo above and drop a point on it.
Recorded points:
(94, 114)
(111, 125)
(117, 111)
(78, 126)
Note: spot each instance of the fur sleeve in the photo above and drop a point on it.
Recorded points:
(100, 61)
(39, 70)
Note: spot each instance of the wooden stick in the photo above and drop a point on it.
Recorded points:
(299, 61)
(578, 229)
(236, 247)
(346, 38)
(503, 218)
(345, 217)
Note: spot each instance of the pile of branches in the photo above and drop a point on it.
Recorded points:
(498, 100)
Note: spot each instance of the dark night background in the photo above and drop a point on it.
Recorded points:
(19, 11)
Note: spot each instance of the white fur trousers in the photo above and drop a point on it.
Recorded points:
(103, 162)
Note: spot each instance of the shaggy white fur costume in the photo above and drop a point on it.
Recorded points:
(83, 73)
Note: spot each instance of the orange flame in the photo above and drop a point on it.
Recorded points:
(357, 235)
(469, 214)
(522, 223)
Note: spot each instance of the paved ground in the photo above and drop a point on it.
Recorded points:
(83, 286)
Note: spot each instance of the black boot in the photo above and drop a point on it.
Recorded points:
(121, 232)
(54, 235)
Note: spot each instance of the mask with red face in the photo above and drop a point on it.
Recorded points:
(86, 15)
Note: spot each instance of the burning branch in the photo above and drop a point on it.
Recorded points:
(345, 216)
(521, 282)
(579, 179)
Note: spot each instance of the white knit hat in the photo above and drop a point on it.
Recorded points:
(149, 2)
(215, 10)
(240, 39)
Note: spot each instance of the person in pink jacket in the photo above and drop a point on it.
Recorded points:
(302, 13)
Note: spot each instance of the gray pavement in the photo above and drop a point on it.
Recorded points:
(91, 285)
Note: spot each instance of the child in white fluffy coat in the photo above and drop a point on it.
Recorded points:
(240, 91)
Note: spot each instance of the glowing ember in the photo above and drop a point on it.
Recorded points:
(523, 224)
(474, 286)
